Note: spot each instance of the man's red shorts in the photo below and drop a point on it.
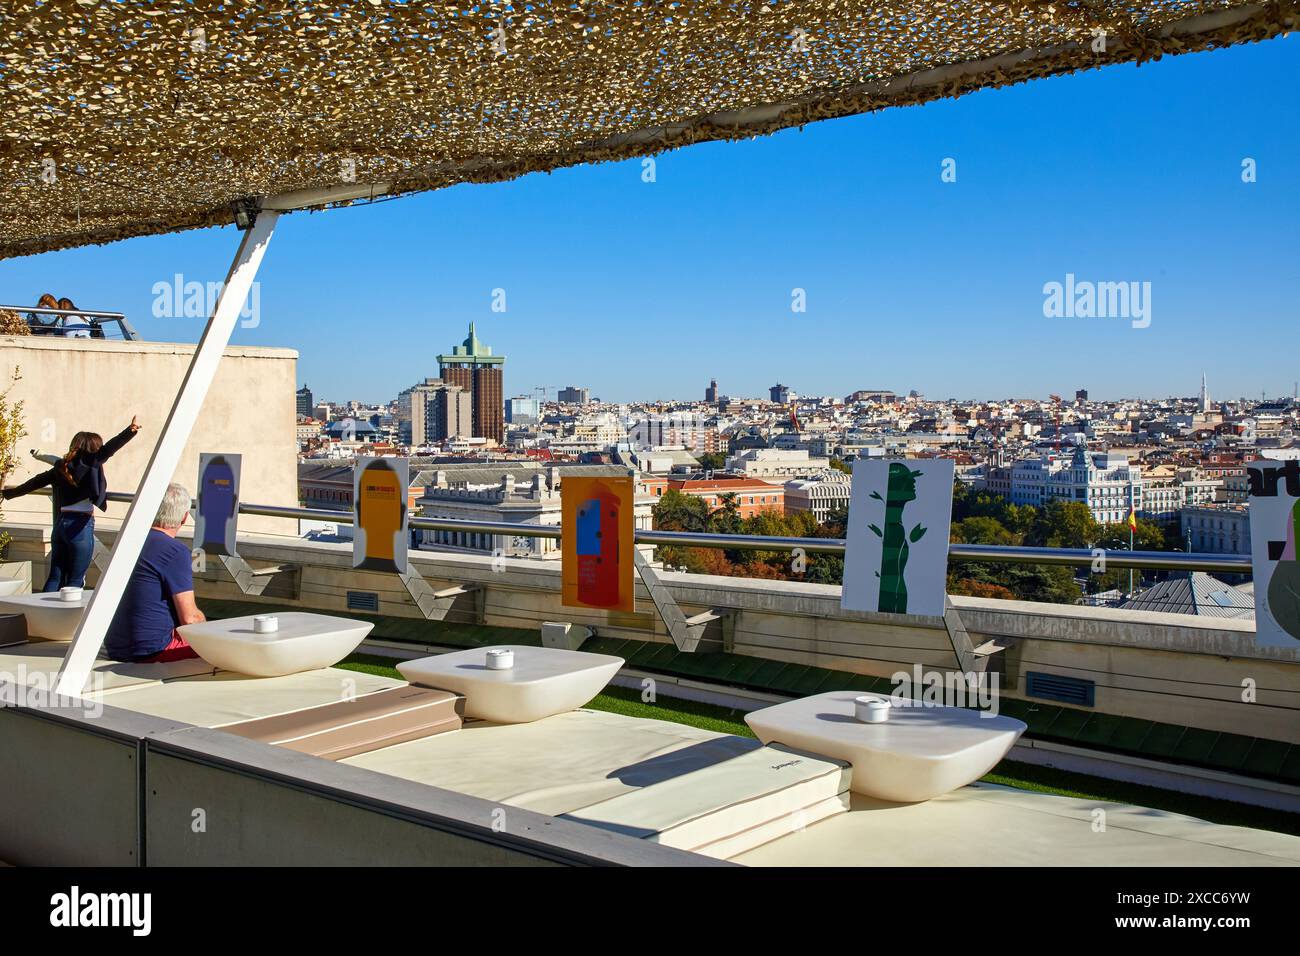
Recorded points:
(177, 650)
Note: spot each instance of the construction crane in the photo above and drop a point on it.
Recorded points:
(543, 389)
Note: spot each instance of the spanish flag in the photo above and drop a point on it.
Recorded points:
(1132, 518)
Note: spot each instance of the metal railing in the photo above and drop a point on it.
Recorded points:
(76, 329)
(1067, 557)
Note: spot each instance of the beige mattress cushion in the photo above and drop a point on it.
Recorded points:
(558, 764)
(765, 786)
(224, 698)
(349, 727)
(985, 825)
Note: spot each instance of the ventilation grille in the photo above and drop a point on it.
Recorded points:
(1068, 690)
(363, 601)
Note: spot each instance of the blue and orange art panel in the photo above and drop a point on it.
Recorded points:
(596, 543)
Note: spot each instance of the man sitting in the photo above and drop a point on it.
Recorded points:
(160, 595)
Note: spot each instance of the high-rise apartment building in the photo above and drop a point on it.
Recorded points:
(711, 393)
(306, 402)
(574, 395)
(781, 394)
(523, 410)
(472, 366)
(881, 395)
(434, 411)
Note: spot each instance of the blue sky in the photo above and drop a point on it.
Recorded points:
(647, 290)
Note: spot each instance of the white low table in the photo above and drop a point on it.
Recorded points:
(48, 615)
(544, 681)
(303, 642)
(919, 753)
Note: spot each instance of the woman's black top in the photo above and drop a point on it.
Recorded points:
(87, 472)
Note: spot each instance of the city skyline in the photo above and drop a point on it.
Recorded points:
(1068, 397)
(910, 282)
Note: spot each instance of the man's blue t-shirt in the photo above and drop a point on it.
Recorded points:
(146, 614)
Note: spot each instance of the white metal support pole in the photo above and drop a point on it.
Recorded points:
(104, 599)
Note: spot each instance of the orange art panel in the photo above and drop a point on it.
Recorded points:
(380, 514)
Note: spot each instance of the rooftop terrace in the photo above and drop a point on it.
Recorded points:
(1165, 743)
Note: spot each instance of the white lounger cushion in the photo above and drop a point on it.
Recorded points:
(559, 764)
(986, 825)
(731, 806)
(544, 681)
(226, 698)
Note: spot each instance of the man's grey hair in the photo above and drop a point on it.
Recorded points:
(175, 506)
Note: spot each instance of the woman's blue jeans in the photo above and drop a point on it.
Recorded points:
(72, 547)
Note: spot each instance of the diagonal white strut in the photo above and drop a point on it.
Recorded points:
(71, 679)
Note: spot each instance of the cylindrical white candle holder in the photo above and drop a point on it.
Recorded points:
(70, 594)
(871, 710)
(500, 659)
(265, 624)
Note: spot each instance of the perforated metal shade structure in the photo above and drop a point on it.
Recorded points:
(130, 117)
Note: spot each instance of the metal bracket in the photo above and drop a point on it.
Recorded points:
(253, 581)
(435, 605)
(100, 555)
(969, 661)
(686, 632)
(565, 636)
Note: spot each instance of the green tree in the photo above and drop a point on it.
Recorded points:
(11, 432)
(1026, 582)
(725, 519)
(675, 511)
(1065, 524)
(982, 530)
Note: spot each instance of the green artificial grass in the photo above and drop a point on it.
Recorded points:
(1009, 773)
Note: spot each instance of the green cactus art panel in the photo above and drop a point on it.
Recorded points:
(897, 556)
(1275, 564)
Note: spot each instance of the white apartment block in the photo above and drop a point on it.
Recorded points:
(687, 430)
(818, 495)
(1105, 482)
(778, 465)
(1217, 529)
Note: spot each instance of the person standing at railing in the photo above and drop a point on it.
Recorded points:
(159, 598)
(79, 486)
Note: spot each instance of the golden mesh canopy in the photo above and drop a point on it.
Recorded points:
(129, 117)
